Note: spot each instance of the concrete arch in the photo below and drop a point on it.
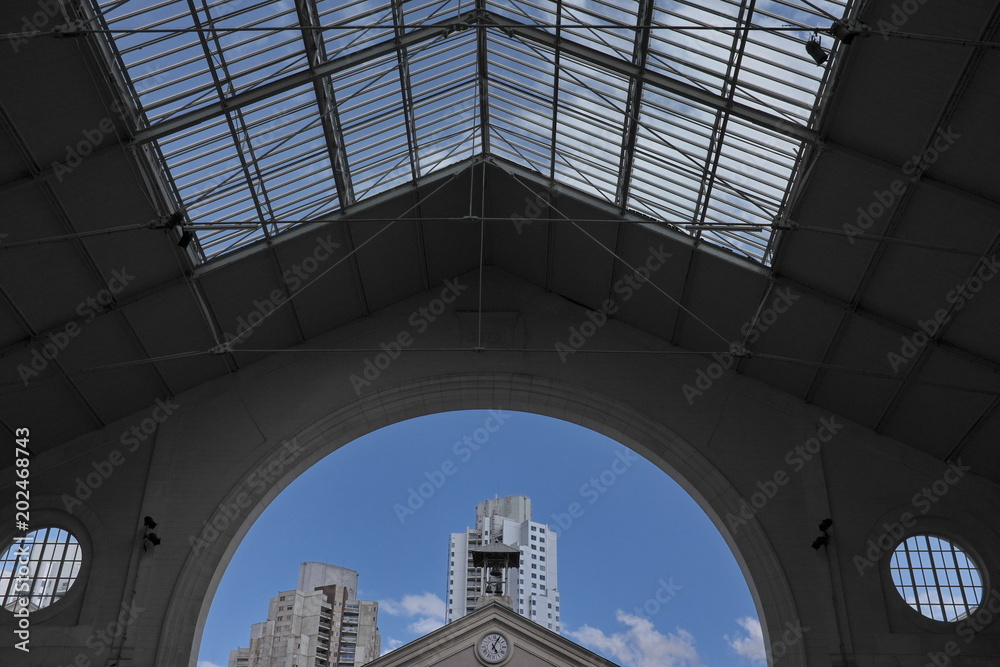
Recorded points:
(765, 466)
(202, 572)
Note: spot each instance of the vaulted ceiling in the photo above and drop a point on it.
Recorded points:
(421, 137)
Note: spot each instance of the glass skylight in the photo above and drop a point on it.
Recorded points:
(267, 113)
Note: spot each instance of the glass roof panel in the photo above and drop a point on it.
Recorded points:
(428, 11)
(589, 125)
(353, 25)
(526, 11)
(618, 41)
(444, 98)
(672, 144)
(520, 104)
(699, 57)
(374, 126)
(247, 59)
(167, 70)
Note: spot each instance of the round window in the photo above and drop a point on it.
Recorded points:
(936, 578)
(38, 569)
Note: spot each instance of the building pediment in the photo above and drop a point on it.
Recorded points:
(456, 644)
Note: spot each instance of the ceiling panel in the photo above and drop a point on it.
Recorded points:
(863, 347)
(45, 395)
(912, 422)
(839, 186)
(117, 390)
(971, 131)
(245, 294)
(170, 322)
(650, 306)
(393, 242)
(980, 449)
(582, 257)
(320, 280)
(806, 327)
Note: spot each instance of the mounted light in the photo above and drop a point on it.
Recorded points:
(175, 219)
(149, 523)
(842, 31)
(817, 52)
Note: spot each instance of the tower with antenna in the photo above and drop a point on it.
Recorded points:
(504, 526)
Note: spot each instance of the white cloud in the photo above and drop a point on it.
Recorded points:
(391, 644)
(750, 646)
(641, 645)
(207, 663)
(424, 625)
(427, 610)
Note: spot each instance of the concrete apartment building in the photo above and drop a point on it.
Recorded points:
(319, 624)
(536, 595)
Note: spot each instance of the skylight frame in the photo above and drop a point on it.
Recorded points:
(590, 136)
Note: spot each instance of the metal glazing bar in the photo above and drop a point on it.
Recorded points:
(316, 52)
(632, 102)
(405, 88)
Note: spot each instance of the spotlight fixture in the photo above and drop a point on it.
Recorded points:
(842, 31)
(186, 239)
(149, 523)
(152, 539)
(825, 524)
(817, 52)
(69, 29)
(452, 28)
(175, 219)
(821, 541)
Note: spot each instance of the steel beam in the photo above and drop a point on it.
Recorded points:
(312, 37)
(640, 50)
(483, 75)
(654, 79)
(406, 88)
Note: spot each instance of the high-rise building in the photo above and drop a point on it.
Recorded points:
(319, 624)
(536, 593)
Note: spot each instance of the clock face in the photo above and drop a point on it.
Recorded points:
(493, 648)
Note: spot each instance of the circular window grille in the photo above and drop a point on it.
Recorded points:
(39, 568)
(936, 578)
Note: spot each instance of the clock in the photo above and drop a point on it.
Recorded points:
(493, 648)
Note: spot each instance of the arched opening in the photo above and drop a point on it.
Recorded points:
(671, 454)
(637, 570)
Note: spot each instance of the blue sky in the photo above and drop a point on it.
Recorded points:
(649, 537)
